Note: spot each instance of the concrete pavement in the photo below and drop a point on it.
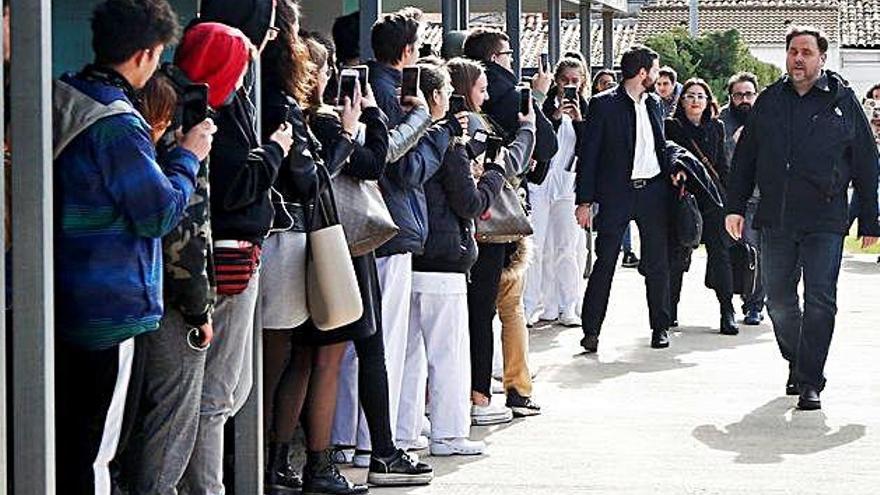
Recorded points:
(706, 416)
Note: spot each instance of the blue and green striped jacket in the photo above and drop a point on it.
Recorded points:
(113, 203)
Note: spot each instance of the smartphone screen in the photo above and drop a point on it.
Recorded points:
(493, 145)
(194, 104)
(457, 104)
(347, 83)
(410, 82)
(544, 61)
(525, 100)
(363, 75)
(571, 93)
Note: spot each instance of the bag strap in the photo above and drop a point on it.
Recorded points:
(324, 205)
(706, 161)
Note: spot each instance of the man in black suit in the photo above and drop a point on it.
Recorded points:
(623, 167)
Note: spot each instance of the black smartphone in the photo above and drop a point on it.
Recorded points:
(363, 76)
(457, 104)
(571, 93)
(525, 100)
(545, 61)
(347, 84)
(493, 145)
(410, 83)
(194, 106)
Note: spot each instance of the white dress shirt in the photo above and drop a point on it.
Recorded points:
(645, 164)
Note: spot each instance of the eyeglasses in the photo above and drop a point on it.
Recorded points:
(272, 34)
(505, 52)
(695, 97)
(748, 95)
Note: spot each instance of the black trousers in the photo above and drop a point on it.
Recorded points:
(481, 296)
(649, 207)
(96, 401)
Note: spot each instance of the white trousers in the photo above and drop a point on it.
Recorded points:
(553, 279)
(395, 281)
(439, 315)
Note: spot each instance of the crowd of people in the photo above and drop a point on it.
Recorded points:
(185, 221)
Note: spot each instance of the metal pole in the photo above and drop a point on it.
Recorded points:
(554, 9)
(608, 39)
(4, 470)
(34, 323)
(464, 10)
(587, 33)
(370, 10)
(451, 16)
(694, 19)
(514, 28)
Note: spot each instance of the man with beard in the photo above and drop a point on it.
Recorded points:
(806, 141)
(623, 166)
(742, 91)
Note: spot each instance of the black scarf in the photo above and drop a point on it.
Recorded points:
(110, 77)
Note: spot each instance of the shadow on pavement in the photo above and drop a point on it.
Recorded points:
(776, 429)
(585, 369)
(861, 267)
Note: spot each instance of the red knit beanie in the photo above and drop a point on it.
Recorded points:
(215, 54)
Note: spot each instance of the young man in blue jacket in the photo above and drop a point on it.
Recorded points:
(113, 203)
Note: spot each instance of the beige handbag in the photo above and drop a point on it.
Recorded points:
(506, 219)
(333, 293)
(363, 214)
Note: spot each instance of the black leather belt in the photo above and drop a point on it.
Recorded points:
(642, 183)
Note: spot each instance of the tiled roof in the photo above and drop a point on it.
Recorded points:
(860, 23)
(759, 22)
(535, 35)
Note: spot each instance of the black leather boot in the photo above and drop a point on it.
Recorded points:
(728, 324)
(281, 478)
(320, 477)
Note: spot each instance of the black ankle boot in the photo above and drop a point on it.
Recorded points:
(728, 320)
(320, 477)
(281, 478)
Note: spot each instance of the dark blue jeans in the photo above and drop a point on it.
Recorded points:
(803, 336)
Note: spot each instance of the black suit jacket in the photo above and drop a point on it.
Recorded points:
(607, 148)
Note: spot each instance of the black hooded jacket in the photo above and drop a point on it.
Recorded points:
(803, 152)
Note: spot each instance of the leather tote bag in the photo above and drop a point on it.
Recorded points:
(333, 293)
(744, 261)
(506, 220)
(363, 214)
(688, 220)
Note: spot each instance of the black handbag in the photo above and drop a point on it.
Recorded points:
(688, 220)
(744, 262)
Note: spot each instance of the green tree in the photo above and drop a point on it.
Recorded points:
(714, 56)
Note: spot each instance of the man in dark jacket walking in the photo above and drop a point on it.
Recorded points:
(806, 141)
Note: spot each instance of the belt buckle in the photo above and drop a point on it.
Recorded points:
(639, 183)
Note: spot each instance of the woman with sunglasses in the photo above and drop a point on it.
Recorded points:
(695, 126)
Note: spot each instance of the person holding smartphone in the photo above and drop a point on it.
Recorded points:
(552, 282)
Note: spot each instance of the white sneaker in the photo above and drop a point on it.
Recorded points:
(361, 460)
(341, 455)
(497, 387)
(569, 320)
(492, 414)
(426, 427)
(420, 443)
(457, 446)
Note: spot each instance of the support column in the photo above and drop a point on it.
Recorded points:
(4, 470)
(464, 11)
(514, 28)
(370, 11)
(585, 17)
(34, 323)
(554, 9)
(451, 15)
(608, 39)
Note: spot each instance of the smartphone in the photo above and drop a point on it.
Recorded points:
(347, 85)
(493, 145)
(525, 100)
(194, 106)
(457, 104)
(363, 76)
(571, 93)
(410, 83)
(545, 62)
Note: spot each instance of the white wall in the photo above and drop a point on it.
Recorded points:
(861, 68)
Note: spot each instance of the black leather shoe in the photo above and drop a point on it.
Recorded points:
(809, 399)
(281, 478)
(791, 386)
(753, 317)
(728, 324)
(659, 339)
(590, 343)
(321, 477)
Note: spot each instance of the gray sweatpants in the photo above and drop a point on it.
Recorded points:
(227, 384)
(170, 408)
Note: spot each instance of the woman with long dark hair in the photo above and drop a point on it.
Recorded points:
(695, 126)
